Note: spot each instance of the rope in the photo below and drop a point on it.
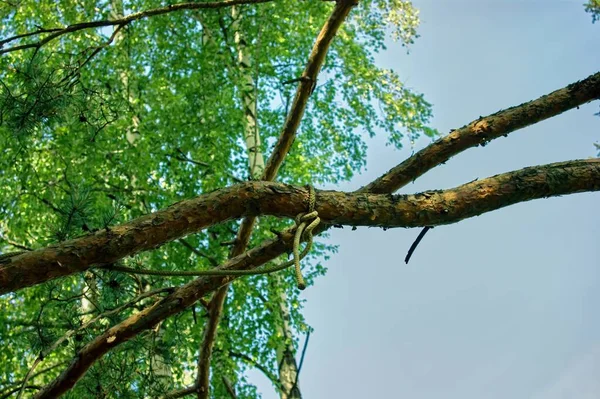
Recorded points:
(303, 228)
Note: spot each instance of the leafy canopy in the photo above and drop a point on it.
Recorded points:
(99, 127)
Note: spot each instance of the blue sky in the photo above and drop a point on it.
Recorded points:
(502, 305)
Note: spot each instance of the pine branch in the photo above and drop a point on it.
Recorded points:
(485, 129)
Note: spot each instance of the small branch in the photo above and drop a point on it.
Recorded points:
(20, 389)
(18, 384)
(184, 158)
(179, 393)
(15, 244)
(301, 363)
(54, 33)
(94, 53)
(44, 353)
(213, 261)
(208, 341)
(270, 376)
(229, 387)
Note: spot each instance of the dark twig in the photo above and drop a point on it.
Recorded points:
(416, 243)
(301, 363)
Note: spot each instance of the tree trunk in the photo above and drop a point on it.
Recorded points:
(286, 353)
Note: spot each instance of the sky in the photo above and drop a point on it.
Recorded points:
(497, 306)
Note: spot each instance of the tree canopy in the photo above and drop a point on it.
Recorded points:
(148, 137)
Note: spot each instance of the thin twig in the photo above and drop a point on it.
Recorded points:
(57, 32)
(229, 387)
(416, 243)
(300, 365)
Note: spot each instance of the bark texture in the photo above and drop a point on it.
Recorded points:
(483, 130)
(430, 208)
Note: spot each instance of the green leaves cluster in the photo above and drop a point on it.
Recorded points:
(593, 7)
(92, 138)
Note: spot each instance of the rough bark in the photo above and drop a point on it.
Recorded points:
(483, 130)
(282, 200)
(430, 208)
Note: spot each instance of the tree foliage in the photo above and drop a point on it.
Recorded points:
(119, 117)
(593, 7)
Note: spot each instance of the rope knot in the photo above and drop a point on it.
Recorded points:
(304, 229)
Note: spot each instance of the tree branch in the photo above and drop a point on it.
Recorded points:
(11, 388)
(306, 86)
(44, 353)
(54, 33)
(429, 208)
(229, 387)
(483, 130)
(12, 391)
(282, 200)
(180, 393)
(273, 378)
(213, 261)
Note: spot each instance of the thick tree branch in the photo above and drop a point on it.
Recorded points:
(282, 200)
(429, 208)
(306, 86)
(286, 138)
(485, 129)
(54, 33)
